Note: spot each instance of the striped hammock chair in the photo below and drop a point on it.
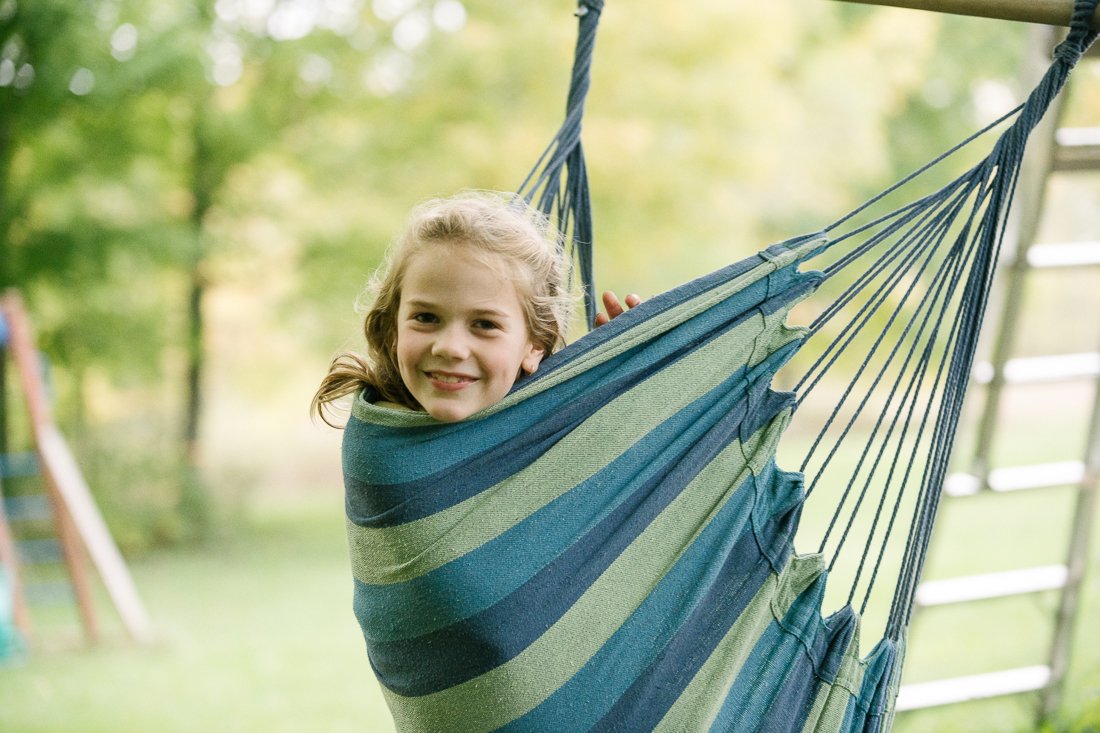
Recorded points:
(610, 547)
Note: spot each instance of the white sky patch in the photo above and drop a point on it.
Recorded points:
(411, 31)
(24, 77)
(124, 42)
(7, 72)
(390, 10)
(316, 71)
(340, 16)
(936, 92)
(292, 20)
(991, 100)
(13, 49)
(227, 62)
(389, 73)
(82, 82)
(249, 15)
(449, 15)
(7, 9)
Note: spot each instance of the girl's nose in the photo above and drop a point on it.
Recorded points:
(450, 343)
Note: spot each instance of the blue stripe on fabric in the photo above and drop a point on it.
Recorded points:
(517, 554)
(678, 625)
(671, 299)
(658, 687)
(868, 711)
(388, 505)
(793, 703)
(375, 504)
(452, 655)
(777, 678)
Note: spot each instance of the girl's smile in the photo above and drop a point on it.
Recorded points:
(462, 336)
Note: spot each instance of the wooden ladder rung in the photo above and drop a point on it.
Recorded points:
(974, 687)
(1069, 254)
(1077, 149)
(51, 593)
(18, 465)
(1018, 478)
(28, 508)
(1038, 369)
(991, 585)
(45, 551)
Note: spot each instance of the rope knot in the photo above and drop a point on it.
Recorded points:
(1080, 37)
(586, 6)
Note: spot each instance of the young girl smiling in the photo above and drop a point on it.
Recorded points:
(472, 297)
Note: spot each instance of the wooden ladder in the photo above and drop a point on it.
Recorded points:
(1055, 151)
(68, 528)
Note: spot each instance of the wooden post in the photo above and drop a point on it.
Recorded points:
(11, 566)
(1047, 12)
(78, 518)
(27, 367)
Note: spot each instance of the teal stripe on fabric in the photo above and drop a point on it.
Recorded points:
(514, 688)
(595, 689)
(459, 652)
(687, 301)
(400, 553)
(787, 644)
(376, 504)
(873, 707)
(506, 562)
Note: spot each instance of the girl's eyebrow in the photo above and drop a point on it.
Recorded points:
(429, 305)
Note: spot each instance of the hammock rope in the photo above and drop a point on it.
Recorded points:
(908, 240)
(610, 547)
(569, 203)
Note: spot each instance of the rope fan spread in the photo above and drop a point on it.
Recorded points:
(610, 547)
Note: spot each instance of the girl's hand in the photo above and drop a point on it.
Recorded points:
(614, 307)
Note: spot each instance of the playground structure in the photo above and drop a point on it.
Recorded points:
(65, 524)
(1058, 152)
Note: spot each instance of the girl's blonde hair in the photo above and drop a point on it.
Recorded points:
(488, 223)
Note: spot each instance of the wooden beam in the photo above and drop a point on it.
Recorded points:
(78, 517)
(1047, 12)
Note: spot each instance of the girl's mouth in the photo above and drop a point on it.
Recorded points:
(445, 381)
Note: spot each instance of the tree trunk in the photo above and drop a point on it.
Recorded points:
(194, 501)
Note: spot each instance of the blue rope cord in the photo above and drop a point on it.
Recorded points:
(569, 203)
(954, 233)
(986, 190)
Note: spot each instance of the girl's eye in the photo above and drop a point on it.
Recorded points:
(424, 318)
(484, 325)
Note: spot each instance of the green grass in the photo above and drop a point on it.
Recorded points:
(256, 634)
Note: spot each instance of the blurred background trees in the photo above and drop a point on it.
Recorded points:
(192, 194)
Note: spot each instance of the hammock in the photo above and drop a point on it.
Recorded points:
(610, 547)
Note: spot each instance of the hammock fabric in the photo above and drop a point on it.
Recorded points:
(610, 547)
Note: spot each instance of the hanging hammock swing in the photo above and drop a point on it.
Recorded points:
(610, 547)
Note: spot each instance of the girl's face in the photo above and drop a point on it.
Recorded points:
(462, 338)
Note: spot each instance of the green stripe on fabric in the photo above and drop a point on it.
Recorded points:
(895, 680)
(511, 690)
(399, 553)
(831, 703)
(702, 699)
(800, 572)
(672, 318)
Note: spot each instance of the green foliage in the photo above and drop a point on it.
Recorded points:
(226, 150)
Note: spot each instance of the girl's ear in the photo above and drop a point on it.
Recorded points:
(532, 359)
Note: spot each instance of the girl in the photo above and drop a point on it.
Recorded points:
(472, 298)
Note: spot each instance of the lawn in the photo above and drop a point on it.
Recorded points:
(256, 634)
